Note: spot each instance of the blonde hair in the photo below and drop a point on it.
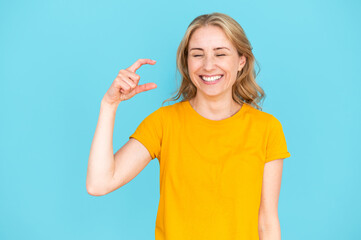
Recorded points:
(245, 89)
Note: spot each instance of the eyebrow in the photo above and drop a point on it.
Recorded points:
(213, 48)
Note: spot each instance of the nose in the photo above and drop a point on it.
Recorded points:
(208, 63)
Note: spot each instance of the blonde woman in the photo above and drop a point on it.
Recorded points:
(220, 156)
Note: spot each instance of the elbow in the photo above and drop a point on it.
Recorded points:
(268, 224)
(94, 191)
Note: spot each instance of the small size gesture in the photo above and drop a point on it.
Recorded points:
(125, 85)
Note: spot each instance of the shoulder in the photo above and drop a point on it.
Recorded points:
(258, 115)
(172, 110)
(271, 122)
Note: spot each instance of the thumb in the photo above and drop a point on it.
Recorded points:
(145, 87)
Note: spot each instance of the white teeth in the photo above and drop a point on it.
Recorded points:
(210, 79)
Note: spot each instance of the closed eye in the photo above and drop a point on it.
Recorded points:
(216, 55)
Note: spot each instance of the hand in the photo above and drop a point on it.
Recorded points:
(125, 85)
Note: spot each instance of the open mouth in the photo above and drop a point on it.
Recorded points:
(212, 80)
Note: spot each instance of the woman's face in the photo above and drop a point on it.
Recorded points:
(210, 56)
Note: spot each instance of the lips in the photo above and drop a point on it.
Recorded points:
(211, 75)
(211, 82)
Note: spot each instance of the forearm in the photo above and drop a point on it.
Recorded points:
(101, 158)
(270, 230)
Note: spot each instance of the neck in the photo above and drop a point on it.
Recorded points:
(215, 109)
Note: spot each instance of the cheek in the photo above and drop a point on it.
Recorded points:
(232, 69)
(228, 68)
(191, 70)
(192, 66)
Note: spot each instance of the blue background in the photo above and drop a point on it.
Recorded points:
(58, 58)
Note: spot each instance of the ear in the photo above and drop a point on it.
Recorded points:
(242, 62)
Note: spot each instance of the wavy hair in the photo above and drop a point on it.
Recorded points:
(245, 89)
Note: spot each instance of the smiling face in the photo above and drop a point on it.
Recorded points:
(211, 55)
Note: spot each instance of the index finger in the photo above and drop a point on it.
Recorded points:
(139, 63)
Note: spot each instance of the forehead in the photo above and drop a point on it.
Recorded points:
(209, 37)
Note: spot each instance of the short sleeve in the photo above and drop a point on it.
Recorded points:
(150, 132)
(276, 142)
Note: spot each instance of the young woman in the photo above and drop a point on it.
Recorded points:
(220, 157)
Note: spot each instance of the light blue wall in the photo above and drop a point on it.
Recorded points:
(58, 58)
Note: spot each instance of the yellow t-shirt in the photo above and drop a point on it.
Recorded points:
(210, 171)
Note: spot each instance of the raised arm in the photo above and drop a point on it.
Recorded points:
(107, 171)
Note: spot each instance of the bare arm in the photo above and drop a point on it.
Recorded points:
(268, 222)
(107, 171)
(101, 159)
(130, 160)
